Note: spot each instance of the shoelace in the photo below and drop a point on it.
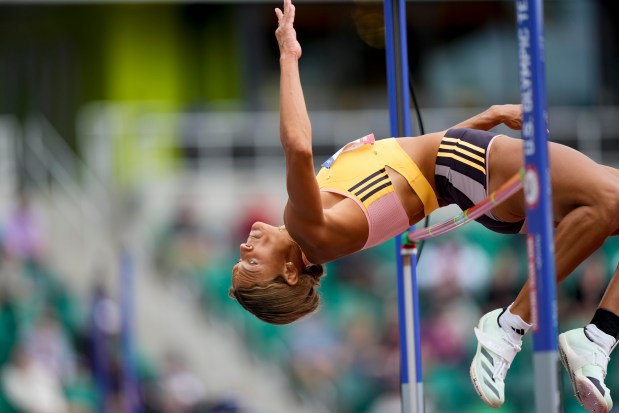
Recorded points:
(500, 369)
(504, 348)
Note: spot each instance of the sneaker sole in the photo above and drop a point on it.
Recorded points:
(475, 379)
(586, 393)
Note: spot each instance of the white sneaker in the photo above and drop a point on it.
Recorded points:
(495, 353)
(586, 363)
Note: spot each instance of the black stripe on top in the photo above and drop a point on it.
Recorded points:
(375, 190)
(372, 183)
(358, 184)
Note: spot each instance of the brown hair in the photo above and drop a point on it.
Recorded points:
(277, 302)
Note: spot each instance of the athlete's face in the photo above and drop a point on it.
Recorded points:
(263, 255)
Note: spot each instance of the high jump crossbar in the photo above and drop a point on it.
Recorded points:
(536, 176)
(509, 188)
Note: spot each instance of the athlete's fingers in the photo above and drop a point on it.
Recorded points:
(279, 15)
(288, 12)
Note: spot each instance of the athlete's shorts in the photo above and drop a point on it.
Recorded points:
(461, 174)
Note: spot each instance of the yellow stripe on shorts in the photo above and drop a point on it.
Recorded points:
(463, 160)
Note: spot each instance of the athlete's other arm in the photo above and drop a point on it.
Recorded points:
(510, 115)
(304, 203)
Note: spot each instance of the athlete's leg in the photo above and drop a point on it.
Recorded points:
(615, 173)
(585, 205)
(579, 234)
(610, 300)
(585, 352)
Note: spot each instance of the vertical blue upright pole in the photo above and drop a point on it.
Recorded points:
(129, 379)
(409, 328)
(540, 245)
(99, 348)
(399, 109)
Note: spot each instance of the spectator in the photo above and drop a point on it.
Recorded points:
(23, 233)
(47, 344)
(454, 261)
(182, 250)
(507, 276)
(32, 387)
(182, 390)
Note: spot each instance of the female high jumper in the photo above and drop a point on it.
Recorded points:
(371, 191)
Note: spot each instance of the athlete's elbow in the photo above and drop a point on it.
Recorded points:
(297, 146)
(298, 155)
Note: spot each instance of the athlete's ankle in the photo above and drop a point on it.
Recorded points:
(604, 341)
(513, 325)
(607, 322)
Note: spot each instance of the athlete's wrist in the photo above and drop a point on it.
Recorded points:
(285, 55)
(494, 112)
(495, 115)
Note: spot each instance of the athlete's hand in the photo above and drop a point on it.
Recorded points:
(511, 116)
(285, 33)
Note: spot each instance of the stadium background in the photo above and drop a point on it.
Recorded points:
(138, 142)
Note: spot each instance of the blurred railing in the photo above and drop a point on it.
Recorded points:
(50, 162)
(249, 141)
(9, 133)
(84, 225)
(74, 204)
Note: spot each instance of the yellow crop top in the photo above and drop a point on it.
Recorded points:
(360, 174)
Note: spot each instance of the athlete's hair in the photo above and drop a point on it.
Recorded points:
(277, 302)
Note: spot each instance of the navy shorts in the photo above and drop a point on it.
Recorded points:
(461, 174)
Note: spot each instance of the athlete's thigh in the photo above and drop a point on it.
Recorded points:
(576, 180)
(504, 160)
(614, 172)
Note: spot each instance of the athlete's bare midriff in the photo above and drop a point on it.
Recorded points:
(347, 223)
(411, 202)
(417, 149)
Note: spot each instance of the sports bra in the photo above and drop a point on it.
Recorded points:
(357, 171)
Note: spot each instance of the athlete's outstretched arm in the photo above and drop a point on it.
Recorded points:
(510, 115)
(295, 128)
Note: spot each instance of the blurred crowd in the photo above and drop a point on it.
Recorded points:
(345, 358)
(110, 78)
(60, 354)
(64, 354)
